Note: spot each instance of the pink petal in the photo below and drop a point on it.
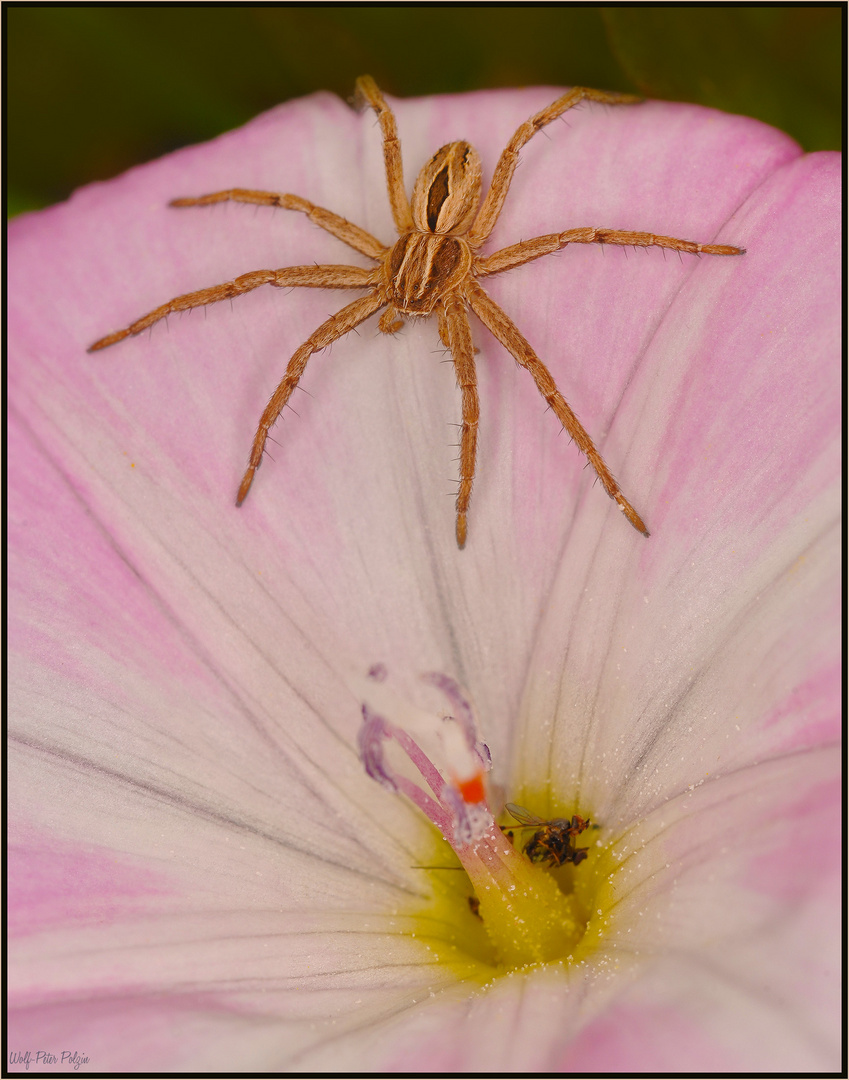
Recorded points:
(183, 672)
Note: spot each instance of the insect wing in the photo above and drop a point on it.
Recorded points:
(523, 815)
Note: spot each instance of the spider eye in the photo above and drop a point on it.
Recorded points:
(447, 191)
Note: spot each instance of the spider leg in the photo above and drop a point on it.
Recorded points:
(528, 250)
(329, 331)
(455, 331)
(501, 178)
(367, 93)
(344, 230)
(498, 323)
(390, 321)
(319, 277)
(444, 336)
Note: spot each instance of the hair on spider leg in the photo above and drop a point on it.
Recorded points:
(563, 431)
(596, 479)
(272, 439)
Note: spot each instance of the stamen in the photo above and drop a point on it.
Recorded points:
(374, 730)
(465, 717)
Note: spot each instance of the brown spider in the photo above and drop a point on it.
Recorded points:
(434, 266)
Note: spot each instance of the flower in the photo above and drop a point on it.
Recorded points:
(202, 875)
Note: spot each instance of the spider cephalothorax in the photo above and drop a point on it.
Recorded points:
(433, 267)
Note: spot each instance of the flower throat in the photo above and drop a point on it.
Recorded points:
(525, 901)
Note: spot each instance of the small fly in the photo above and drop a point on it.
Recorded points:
(551, 842)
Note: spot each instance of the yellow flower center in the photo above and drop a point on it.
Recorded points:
(498, 910)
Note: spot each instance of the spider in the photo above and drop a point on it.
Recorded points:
(433, 267)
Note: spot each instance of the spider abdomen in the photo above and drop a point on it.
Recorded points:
(421, 268)
(448, 190)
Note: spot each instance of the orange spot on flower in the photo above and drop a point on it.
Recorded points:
(472, 790)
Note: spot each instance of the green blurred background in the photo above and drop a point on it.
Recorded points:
(92, 90)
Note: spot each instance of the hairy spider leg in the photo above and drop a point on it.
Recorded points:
(317, 277)
(517, 254)
(366, 93)
(498, 323)
(329, 331)
(340, 227)
(454, 326)
(494, 201)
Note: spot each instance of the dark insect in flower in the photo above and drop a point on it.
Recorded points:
(475, 907)
(551, 842)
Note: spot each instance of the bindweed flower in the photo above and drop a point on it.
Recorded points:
(202, 874)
